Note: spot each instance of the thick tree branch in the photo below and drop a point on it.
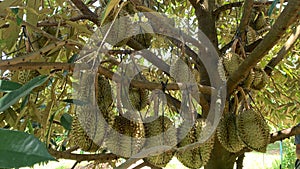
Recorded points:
(63, 23)
(286, 18)
(86, 11)
(283, 51)
(103, 158)
(286, 133)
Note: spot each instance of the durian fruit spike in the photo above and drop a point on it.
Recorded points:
(260, 79)
(227, 134)
(138, 97)
(231, 62)
(253, 130)
(160, 131)
(126, 138)
(181, 72)
(197, 157)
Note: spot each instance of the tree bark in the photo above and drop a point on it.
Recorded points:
(220, 158)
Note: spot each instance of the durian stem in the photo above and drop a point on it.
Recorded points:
(239, 161)
(241, 90)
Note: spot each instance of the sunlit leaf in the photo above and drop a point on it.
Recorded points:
(111, 5)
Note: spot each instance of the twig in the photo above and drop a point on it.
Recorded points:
(86, 11)
(128, 163)
(34, 55)
(283, 51)
(286, 18)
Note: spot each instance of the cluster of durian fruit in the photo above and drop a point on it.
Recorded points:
(127, 134)
(258, 24)
(256, 78)
(247, 128)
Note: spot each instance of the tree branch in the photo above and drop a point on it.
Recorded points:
(103, 158)
(248, 5)
(239, 4)
(34, 55)
(117, 78)
(286, 18)
(283, 51)
(286, 133)
(86, 11)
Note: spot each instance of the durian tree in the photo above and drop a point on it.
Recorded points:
(47, 45)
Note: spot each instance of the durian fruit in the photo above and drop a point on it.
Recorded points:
(104, 98)
(260, 21)
(227, 134)
(221, 70)
(181, 72)
(23, 76)
(120, 32)
(138, 97)
(88, 129)
(197, 157)
(231, 62)
(126, 138)
(251, 35)
(160, 131)
(260, 79)
(253, 130)
(144, 34)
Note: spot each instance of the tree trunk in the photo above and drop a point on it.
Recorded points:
(220, 158)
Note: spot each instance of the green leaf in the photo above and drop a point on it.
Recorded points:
(66, 121)
(8, 86)
(111, 4)
(19, 21)
(15, 10)
(19, 149)
(11, 98)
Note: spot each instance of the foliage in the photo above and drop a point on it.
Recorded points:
(43, 43)
(19, 149)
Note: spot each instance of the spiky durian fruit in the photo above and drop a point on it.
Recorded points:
(120, 30)
(143, 34)
(221, 70)
(231, 62)
(23, 76)
(104, 98)
(181, 72)
(138, 97)
(126, 138)
(160, 131)
(251, 35)
(88, 129)
(227, 134)
(197, 157)
(260, 21)
(253, 130)
(260, 79)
